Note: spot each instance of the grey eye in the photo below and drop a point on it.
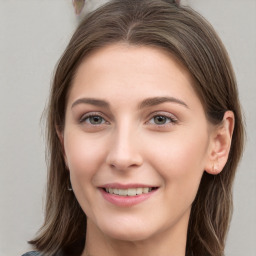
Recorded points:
(95, 120)
(160, 119)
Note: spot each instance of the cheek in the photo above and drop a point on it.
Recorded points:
(180, 160)
(84, 158)
(188, 151)
(84, 155)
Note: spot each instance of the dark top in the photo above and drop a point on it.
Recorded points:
(32, 254)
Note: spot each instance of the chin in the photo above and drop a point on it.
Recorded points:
(128, 233)
(131, 236)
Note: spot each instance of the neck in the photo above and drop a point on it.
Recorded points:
(169, 242)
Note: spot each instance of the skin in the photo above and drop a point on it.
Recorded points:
(165, 144)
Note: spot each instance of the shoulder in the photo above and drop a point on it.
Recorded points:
(32, 254)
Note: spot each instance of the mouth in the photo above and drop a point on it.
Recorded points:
(129, 191)
(127, 195)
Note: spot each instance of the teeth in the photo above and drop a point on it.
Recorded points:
(129, 191)
(132, 191)
(123, 192)
(116, 191)
(145, 190)
(139, 191)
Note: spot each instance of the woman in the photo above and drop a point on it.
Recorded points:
(145, 133)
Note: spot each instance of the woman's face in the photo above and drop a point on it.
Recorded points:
(136, 142)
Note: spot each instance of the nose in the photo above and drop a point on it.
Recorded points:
(124, 153)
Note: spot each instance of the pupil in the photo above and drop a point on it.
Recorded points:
(95, 119)
(160, 119)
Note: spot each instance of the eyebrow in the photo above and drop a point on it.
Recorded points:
(149, 102)
(91, 101)
(159, 100)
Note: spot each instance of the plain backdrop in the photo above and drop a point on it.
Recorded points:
(33, 34)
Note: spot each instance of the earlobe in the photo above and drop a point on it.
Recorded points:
(220, 144)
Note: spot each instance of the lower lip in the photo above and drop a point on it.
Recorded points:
(126, 201)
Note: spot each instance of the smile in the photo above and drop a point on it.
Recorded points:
(129, 191)
(127, 195)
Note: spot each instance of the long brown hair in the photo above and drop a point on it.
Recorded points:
(189, 37)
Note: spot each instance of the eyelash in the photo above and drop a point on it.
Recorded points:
(167, 117)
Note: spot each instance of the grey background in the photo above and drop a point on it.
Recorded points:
(33, 34)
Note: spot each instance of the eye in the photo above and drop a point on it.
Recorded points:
(162, 120)
(93, 119)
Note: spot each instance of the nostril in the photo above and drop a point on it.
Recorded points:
(122, 166)
(123, 151)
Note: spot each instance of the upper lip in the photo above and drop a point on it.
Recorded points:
(126, 186)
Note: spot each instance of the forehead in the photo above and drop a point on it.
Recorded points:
(123, 70)
(138, 57)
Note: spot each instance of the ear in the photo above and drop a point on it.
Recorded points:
(220, 144)
(60, 134)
